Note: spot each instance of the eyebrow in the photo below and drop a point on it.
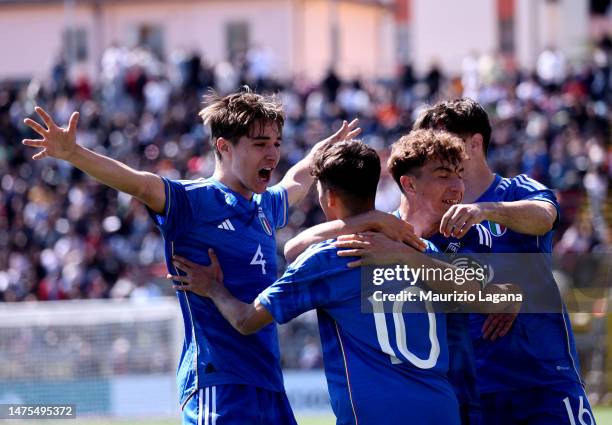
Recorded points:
(262, 137)
(448, 169)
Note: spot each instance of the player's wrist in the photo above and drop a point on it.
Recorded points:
(487, 210)
(73, 155)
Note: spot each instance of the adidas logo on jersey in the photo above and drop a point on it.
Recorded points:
(226, 225)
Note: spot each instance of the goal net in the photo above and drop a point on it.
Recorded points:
(107, 357)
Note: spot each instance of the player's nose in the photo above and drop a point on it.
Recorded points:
(457, 185)
(273, 153)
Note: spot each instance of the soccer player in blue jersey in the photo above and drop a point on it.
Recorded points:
(427, 167)
(236, 214)
(381, 368)
(531, 376)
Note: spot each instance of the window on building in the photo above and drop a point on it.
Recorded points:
(150, 36)
(236, 38)
(505, 20)
(74, 41)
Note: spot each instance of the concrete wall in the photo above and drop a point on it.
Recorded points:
(365, 39)
(447, 31)
(539, 23)
(297, 31)
(31, 37)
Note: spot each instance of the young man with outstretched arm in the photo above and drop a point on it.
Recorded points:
(235, 213)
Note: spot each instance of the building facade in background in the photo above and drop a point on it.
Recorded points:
(445, 32)
(292, 37)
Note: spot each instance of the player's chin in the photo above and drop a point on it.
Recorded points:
(260, 184)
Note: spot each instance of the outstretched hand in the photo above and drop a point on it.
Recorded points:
(347, 131)
(57, 142)
(198, 278)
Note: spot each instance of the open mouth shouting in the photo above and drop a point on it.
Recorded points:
(265, 174)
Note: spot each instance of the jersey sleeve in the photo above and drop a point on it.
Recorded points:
(525, 188)
(430, 247)
(279, 205)
(303, 286)
(179, 211)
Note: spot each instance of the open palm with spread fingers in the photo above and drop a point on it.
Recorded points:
(57, 142)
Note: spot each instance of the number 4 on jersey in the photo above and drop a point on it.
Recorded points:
(258, 260)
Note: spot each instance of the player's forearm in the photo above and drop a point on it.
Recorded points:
(528, 217)
(435, 278)
(146, 187)
(328, 230)
(298, 179)
(240, 315)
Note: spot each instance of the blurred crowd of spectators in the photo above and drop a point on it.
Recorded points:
(63, 236)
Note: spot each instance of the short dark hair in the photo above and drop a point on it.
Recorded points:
(464, 117)
(350, 168)
(413, 150)
(235, 115)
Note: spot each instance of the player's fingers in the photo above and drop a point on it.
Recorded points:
(498, 327)
(46, 118)
(456, 222)
(341, 131)
(444, 226)
(350, 253)
(178, 278)
(180, 264)
(506, 328)
(35, 126)
(72, 124)
(415, 242)
(354, 133)
(465, 227)
(496, 333)
(40, 155)
(489, 325)
(214, 261)
(181, 287)
(351, 237)
(351, 244)
(462, 224)
(37, 143)
(468, 225)
(356, 263)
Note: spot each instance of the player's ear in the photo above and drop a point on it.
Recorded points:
(332, 198)
(408, 184)
(475, 144)
(223, 145)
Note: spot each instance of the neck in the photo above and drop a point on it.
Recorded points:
(229, 180)
(477, 177)
(424, 225)
(346, 212)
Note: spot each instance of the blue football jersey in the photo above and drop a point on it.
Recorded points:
(202, 214)
(381, 368)
(539, 349)
(462, 360)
